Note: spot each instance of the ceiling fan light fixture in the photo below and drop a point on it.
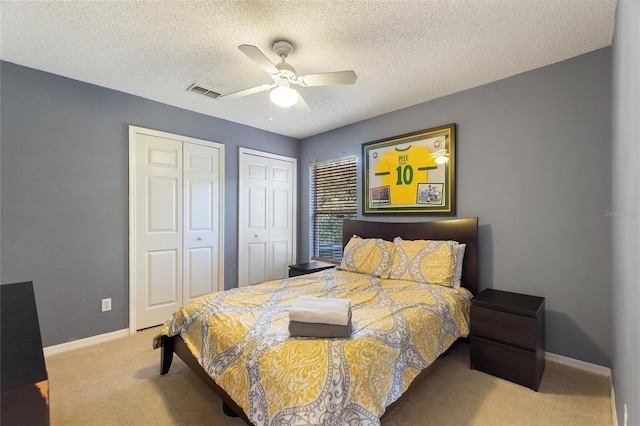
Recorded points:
(284, 96)
(284, 75)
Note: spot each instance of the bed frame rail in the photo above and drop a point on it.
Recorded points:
(175, 344)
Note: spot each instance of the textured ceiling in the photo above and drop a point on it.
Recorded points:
(404, 52)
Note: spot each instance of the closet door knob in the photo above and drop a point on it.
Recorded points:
(199, 239)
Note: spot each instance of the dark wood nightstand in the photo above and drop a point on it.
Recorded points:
(507, 336)
(308, 268)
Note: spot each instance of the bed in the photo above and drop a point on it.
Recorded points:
(237, 340)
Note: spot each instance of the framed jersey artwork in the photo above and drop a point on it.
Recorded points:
(411, 173)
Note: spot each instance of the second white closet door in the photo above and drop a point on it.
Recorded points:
(266, 216)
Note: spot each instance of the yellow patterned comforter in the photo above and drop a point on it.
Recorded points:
(240, 337)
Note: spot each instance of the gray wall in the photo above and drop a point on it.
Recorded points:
(534, 164)
(65, 192)
(626, 201)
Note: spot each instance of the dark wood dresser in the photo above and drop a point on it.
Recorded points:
(507, 336)
(308, 268)
(24, 380)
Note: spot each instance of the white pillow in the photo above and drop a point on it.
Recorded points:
(457, 276)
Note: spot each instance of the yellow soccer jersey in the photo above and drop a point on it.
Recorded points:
(403, 169)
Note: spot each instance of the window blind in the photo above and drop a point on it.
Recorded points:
(333, 197)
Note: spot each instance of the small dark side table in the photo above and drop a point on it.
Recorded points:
(507, 336)
(308, 268)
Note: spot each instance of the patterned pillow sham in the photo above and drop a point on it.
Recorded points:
(371, 256)
(457, 278)
(427, 261)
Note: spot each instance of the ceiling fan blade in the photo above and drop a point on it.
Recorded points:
(328, 78)
(301, 105)
(246, 92)
(258, 57)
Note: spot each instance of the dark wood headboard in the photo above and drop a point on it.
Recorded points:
(460, 230)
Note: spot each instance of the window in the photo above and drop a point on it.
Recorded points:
(332, 197)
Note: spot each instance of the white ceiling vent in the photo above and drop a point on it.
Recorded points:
(203, 91)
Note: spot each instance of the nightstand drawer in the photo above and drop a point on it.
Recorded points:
(508, 362)
(504, 327)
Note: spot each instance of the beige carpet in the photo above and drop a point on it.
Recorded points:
(118, 383)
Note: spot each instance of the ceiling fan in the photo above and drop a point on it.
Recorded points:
(284, 75)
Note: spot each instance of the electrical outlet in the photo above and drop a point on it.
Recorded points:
(106, 305)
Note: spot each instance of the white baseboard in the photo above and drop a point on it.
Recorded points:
(580, 365)
(82, 343)
(590, 368)
(614, 411)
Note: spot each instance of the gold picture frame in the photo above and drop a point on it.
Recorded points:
(411, 173)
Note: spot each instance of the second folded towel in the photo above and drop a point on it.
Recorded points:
(314, 329)
(318, 310)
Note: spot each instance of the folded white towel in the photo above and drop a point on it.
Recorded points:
(317, 310)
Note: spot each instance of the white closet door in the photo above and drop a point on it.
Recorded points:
(253, 235)
(281, 225)
(158, 236)
(202, 215)
(176, 251)
(266, 216)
